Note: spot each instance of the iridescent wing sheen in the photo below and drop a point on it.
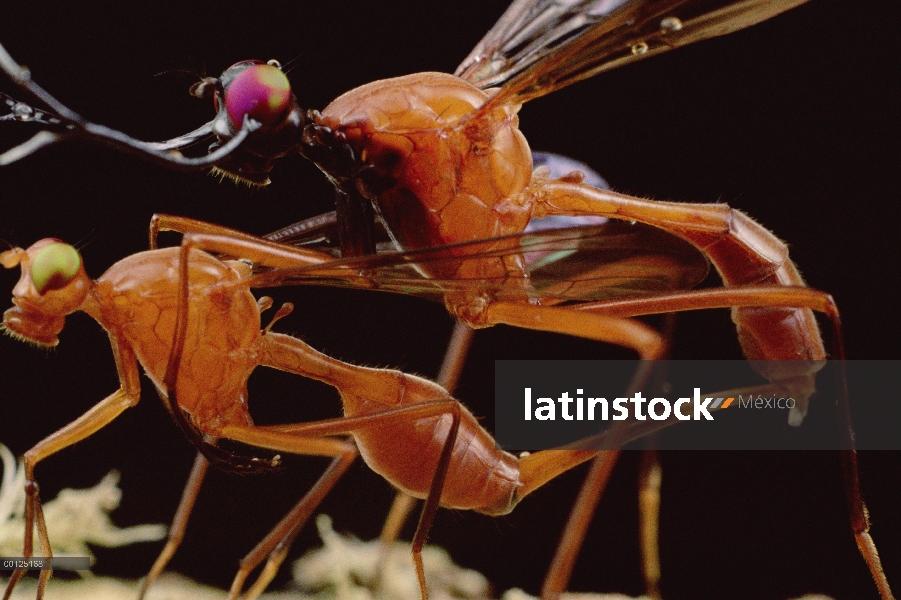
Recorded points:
(539, 46)
(615, 259)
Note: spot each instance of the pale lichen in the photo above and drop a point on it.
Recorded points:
(76, 519)
(344, 568)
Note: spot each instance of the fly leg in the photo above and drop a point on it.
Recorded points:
(649, 480)
(596, 480)
(448, 377)
(298, 439)
(762, 298)
(628, 333)
(179, 522)
(650, 476)
(160, 223)
(192, 486)
(403, 505)
(236, 243)
(95, 419)
(538, 468)
(292, 355)
(276, 544)
(743, 252)
(455, 356)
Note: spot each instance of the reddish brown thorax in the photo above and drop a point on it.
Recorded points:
(458, 173)
(139, 301)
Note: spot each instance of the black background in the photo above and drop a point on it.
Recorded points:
(793, 121)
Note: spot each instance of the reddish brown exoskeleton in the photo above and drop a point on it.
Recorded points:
(439, 159)
(190, 320)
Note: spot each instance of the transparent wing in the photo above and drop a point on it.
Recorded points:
(539, 46)
(588, 263)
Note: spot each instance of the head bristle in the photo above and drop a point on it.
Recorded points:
(31, 342)
(237, 179)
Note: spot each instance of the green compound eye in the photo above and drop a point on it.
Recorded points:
(54, 267)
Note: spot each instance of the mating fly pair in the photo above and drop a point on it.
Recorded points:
(438, 161)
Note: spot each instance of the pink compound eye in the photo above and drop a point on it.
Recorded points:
(260, 91)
